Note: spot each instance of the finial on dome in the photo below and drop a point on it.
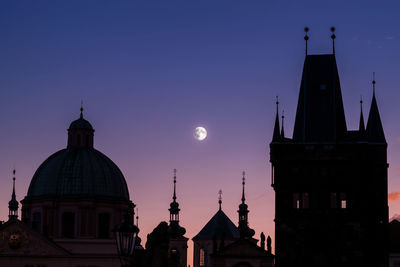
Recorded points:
(220, 198)
(306, 29)
(81, 109)
(13, 203)
(333, 36)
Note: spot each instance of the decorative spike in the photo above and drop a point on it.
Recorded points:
(243, 183)
(373, 83)
(137, 217)
(306, 29)
(333, 36)
(81, 109)
(174, 197)
(220, 198)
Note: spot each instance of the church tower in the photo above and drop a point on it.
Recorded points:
(178, 242)
(13, 203)
(330, 183)
(244, 229)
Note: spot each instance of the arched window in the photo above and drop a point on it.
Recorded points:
(68, 225)
(104, 225)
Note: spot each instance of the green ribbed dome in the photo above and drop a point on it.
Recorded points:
(83, 172)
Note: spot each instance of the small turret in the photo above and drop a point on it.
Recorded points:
(174, 228)
(245, 231)
(276, 136)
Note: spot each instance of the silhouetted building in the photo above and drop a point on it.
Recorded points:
(330, 183)
(216, 234)
(74, 200)
(177, 240)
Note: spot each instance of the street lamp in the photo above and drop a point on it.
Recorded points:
(125, 236)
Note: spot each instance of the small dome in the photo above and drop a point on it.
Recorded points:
(83, 172)
(80, 123)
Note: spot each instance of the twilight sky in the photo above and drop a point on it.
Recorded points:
(148, 72)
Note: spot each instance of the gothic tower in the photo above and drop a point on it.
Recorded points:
(178, 242)
(330, 183)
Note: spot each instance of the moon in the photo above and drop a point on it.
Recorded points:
(200, 133)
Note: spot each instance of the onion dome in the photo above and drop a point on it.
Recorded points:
(79, 170)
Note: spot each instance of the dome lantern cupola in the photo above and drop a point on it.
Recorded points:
(13, 203)
(80, 133)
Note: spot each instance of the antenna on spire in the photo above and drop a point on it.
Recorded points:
(283, 131)
(220, 198)
(333, 36)
(81, 109)
(306, 29)
(243, 183)
(373, 83)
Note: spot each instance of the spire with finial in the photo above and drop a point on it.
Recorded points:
(220, 199)
(333, 36)
(245, 231)
(174, 206)
(13, 203)
(175, 229)
(374, 129)
(282, 130)
(276, 136)
(361, 127)
(306, 29)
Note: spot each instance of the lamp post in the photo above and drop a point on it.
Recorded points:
(125, 236)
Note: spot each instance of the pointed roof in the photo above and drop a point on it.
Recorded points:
(374, 130)
(218, 225)
(320, 113)
(276, 136)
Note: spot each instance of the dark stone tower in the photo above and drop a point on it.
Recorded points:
(244, 229)
(330, 183)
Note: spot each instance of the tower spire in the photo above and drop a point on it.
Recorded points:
(220, 199)
(13, 203)
(174, 206)
(374, 129)
(245, 231)
(306, 29)
(333, 36)
(276, 136)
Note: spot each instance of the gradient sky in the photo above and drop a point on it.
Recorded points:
(148, 72)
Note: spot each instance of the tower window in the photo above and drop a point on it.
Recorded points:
(301, 200)
(68, 225)
(202, 259)
(343, 201)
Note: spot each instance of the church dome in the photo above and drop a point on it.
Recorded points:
(79, 170)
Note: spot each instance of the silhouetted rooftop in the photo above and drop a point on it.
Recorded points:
(219, 225)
